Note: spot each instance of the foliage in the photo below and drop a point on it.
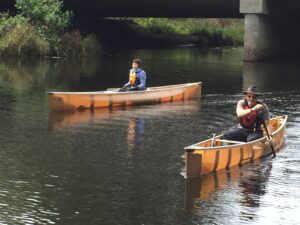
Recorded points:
(8, 22)
(47, 16)
(73, 44)
(39, 29)
(222, 31)
(162, 25)
(23, 39)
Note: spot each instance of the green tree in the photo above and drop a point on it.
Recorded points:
(47, 16)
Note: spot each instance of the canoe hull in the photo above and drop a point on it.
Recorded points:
(201, 159)
(70, 101)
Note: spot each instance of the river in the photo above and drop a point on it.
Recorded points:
(126, 166)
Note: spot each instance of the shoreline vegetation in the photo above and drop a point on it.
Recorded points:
(166, 32)
(41, 28)
(202, 32)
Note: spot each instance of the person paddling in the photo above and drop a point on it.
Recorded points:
(251, 114)
(137, 77)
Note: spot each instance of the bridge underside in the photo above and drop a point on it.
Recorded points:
(156, 8)
(147, 8)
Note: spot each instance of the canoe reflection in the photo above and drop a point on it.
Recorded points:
(135, 134)
(59, 120)
(249, 180)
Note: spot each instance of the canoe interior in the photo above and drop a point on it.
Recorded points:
(216, 153)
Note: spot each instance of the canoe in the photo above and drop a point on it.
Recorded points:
(217, 153)
(70, 101)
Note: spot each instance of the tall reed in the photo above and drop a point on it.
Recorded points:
(23, 39)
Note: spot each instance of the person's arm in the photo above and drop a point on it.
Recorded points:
(266, 117)
(143, 80)
(128, 83)
(269, 127)
(241, 112)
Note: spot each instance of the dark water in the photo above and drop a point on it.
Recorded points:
(125, 166)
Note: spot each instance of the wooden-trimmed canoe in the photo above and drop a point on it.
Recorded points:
(217, 153)
(70, 101)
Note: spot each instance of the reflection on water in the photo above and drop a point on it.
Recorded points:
(135, 116)
(243, 185)
(136, 131)
(123, 166)
(59, 120)
(269, 76)
(251, 179)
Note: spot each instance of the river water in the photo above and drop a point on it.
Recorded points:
(126, 166)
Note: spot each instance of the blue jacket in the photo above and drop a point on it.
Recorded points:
(141, 77)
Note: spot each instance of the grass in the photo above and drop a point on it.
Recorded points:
(19, 37)
(225, 31)
(23, 39)
(74, 44)
(26, 40)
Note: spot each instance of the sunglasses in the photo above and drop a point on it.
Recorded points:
(252, 96)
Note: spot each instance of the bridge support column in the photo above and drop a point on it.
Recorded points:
(261, 38)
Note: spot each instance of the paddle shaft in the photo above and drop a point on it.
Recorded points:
(213, 140)
(272, 147)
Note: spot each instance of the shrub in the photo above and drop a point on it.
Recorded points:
(73, 44)
(23, 39)
(48, 17)
(38, 29)
(8, 22)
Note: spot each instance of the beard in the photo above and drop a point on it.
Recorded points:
(251, 103)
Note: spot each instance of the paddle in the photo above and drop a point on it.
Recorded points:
(213, 140)
(272, 147)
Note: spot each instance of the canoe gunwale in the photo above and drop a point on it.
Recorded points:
(194, 147)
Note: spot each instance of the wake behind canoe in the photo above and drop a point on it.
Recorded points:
(70, 101)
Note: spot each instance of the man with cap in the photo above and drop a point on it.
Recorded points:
(251, 114)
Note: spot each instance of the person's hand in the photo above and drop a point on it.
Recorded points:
(258, 107)
(269, 141)
(270, 138)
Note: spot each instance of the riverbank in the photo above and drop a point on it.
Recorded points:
(162, 32)
(25, 35)
(205, 32)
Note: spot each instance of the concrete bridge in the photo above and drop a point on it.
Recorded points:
(271, 26)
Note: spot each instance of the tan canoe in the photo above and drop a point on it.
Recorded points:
(202, 158)
(68, 101)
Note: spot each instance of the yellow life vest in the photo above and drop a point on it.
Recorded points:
(132, 78)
